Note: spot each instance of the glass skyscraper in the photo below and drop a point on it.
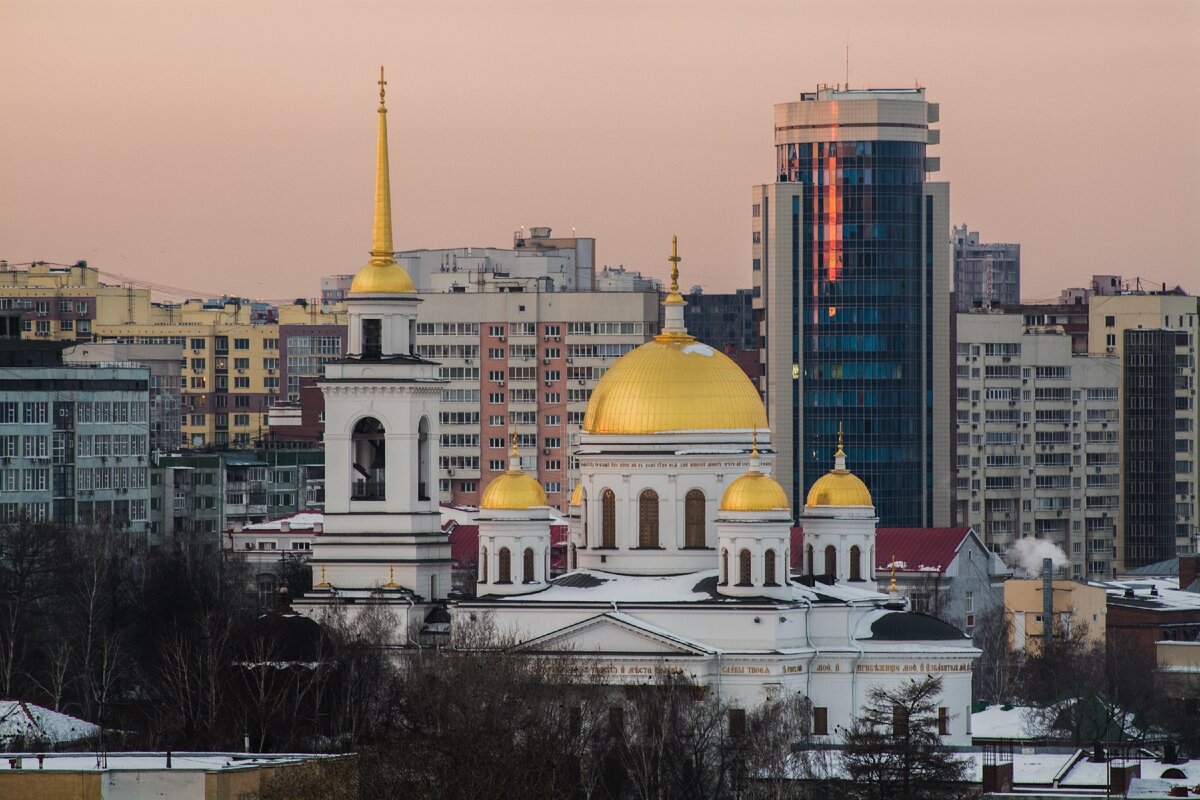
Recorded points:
(851, 268)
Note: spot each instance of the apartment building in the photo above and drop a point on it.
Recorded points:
(1038, 439)
(74, 440)
(984, 274)
(202, 494)
(166, 371)
(523, 362)
(1154, 336)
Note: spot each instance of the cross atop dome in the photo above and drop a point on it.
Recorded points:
(674, 328)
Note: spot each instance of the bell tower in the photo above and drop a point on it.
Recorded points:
(382, 526)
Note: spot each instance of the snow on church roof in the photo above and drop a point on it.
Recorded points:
(595, 586)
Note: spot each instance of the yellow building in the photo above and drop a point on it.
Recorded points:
(1074, 606)
(234, 363)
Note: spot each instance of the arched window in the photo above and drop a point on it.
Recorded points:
(608, 519)
(648, 519)
(724, 578)
(504, 566)
(368, 462)
(769, 568)
(830, 560)
(808, 558)
(483, 565)
(423, 459)
(693, 519)
(527, 566)
(855, 565)
(744, 566)
(574, 557)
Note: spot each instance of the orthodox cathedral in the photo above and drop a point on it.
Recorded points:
(679, 559)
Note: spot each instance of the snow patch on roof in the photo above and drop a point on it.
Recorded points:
(21, 720)
(698, 349)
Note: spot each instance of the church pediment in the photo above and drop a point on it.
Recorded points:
(615, 633)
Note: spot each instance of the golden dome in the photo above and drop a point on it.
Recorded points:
(754, 491)
(513, 491)
(839, 486)
(577, 495)
(674, 383)
(382, 279)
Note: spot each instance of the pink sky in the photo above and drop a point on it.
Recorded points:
(227, 146)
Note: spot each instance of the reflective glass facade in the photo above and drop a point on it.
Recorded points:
(862, 266)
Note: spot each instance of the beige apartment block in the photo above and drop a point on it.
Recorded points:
(1111, 316)
(1038, 441)
(230, 366)
(523, 362)
(1076, 607)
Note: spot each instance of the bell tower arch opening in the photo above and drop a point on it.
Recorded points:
(368, 459)
(423, 459)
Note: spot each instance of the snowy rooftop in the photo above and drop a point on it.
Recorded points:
(995, 722)
(595, 586)
(303, 521)
(98, 762)
(1162, 594)
(21, 720)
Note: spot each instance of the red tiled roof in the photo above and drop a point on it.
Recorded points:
(913, 549)
(917, 549)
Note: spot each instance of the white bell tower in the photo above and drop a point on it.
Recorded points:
(382, 528)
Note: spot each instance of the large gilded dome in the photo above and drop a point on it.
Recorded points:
(674, 383)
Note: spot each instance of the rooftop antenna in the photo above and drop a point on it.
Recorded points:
(847, 58)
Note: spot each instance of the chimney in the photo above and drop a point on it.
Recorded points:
(1047, 604)
(285, 526)
(318, 527)
(1189, 571)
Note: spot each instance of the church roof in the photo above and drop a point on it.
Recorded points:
(909, 626)
(595, 586)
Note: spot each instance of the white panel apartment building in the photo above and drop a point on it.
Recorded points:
(526, 360)
(1038, 445)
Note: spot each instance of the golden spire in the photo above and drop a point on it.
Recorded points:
(892, 586)
(382, 253)
(324, 584)
(391, 584)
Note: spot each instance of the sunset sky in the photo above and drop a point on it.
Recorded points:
(227, 146)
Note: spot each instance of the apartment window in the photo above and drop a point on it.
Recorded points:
(496, 353)
(198, 344)
(496, 398)
(241, 363)
(241, 344)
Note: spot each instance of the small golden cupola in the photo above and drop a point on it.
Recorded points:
(382, 275)
(577, 495)
(755, 491)
(514, 490)
(839, 486)
(674, 383)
